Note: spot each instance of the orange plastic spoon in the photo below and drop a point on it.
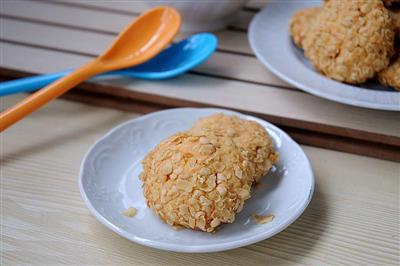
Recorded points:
(144, 38)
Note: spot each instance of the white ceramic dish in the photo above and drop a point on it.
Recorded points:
(109, 184)
(270, 40)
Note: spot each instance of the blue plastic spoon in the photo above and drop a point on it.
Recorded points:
(173, 61)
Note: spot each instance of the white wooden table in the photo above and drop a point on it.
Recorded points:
(353, 218)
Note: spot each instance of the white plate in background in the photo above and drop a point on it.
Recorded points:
(270, 40)
(109, 185)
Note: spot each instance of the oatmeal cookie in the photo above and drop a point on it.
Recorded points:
(198, 179)
(391, 75)
(250, 137)
(300, 24)
(350, 40)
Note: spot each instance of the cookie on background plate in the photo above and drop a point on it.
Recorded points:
(300, 24)
(350, 41)
(391, 75)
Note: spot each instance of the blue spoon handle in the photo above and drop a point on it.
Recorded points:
(36, 82)
(30, 83)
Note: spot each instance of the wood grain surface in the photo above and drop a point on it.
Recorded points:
(353, 218)
(51, 35)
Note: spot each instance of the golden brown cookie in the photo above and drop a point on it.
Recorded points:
(200, 178)
(248, 136)
(350, 40)
(391, 75)
(300, 23)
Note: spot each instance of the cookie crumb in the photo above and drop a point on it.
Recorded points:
(263, 219)
(177, 227)
(130, 212)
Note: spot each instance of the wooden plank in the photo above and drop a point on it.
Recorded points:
(49, 36)
(312, 138)
(93, 43)
(231, 41)
(18, 30)
(38, 60)
(135, 7)
(239, 67)
(352, 219)
(286, 107)
(86, 95)
(234, 42)
(122, 100)
(138, 6)
(70, 15)
(243, 21)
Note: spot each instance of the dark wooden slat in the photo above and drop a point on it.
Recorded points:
(164, 100)
(305, 137)
(141, 102)
(251, 9)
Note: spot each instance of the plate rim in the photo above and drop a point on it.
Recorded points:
(199, 248)
(339, 99)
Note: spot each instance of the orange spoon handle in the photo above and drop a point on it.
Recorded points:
(48, 93)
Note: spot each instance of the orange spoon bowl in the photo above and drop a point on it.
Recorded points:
(140, 41)
(144, 38)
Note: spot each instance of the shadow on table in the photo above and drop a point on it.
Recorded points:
(58, 136)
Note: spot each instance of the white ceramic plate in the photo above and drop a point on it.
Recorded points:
(109, 184)
(270, 40)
